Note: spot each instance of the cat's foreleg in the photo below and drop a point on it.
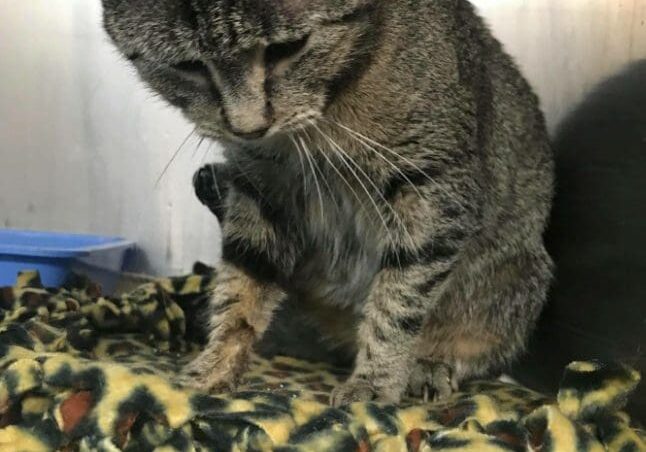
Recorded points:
(393, 318)
(419, 252)
(256, 258)
(240, 311)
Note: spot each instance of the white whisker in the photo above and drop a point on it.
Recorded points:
(197, 148)
(330, 191)
(365, 140)
(345, 156)
(217, 188)
(172, 159)
(310, 159)
(363, 186)
(300, 158)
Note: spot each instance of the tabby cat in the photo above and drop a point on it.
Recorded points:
(387, 166)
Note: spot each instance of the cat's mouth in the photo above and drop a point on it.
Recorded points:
(295, 122)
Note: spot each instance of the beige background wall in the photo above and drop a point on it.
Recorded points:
(82, 143)
(567, 46)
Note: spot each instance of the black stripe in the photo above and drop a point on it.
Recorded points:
(432, 283)
(379, 333)
(390, 259)
(189, 15)
(257, 263)
(434, 251)
(411, 324)
(440, 250)
(227, 9)
(220, 308)
(361, 57)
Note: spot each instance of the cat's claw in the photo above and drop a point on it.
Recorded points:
(432, 380)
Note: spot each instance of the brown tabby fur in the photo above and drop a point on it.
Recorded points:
(384, 158)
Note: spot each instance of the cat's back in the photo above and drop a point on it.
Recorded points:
(451, 44)
(510, 130)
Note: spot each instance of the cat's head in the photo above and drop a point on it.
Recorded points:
(245, 69)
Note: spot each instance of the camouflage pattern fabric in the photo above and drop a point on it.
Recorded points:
(83, 372)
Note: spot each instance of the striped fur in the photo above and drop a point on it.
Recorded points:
(386, 159)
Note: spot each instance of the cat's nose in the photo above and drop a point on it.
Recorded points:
(248, 121)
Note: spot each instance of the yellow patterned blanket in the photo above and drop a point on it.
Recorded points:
(83, 372)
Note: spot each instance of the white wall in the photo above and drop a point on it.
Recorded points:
(565, 47)
(82, 143)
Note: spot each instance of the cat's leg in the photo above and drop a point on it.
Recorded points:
(482, 321)
(393, 319)
(240, 311)
(428, 230)
(256, 259)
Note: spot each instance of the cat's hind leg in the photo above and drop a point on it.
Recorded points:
(482, 323)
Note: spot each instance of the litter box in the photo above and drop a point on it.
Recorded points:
(56, 255)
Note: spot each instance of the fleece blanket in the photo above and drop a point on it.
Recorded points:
(84, 372)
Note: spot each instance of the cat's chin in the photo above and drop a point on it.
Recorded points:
(277, 139)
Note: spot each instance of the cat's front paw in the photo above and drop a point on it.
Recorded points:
(220, 367)
(353, 390)
(198, 375)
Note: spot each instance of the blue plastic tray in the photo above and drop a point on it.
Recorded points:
(54, 255)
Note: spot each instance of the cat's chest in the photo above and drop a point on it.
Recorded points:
(336, 231)
(340, 257)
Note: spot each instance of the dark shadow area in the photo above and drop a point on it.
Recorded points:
(597, 237)
(136, 261)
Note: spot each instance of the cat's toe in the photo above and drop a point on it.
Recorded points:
(431, 380)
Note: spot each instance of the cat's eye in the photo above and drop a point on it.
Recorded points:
(193, 67)
(277, 52)
(194, 71)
